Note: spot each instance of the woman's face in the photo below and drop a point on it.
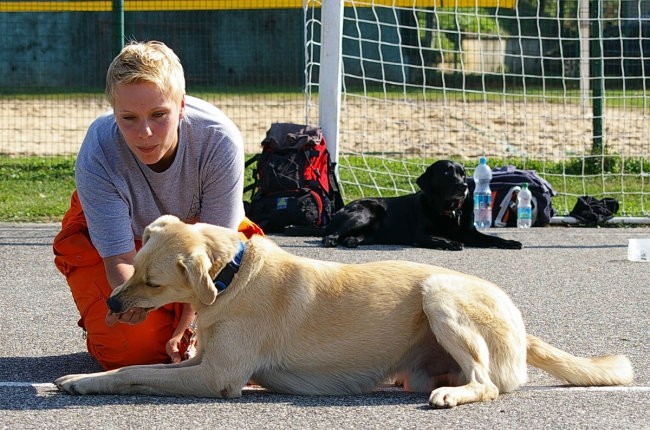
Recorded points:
(148, 120)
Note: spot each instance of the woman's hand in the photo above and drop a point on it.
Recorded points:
(173, 349)
(131, 316)
(182, 344)
(181, 347)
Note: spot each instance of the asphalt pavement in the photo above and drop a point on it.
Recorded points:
(575, 288)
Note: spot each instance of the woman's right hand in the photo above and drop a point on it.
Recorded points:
(131, 316)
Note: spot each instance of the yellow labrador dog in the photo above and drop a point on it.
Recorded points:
(302, 326)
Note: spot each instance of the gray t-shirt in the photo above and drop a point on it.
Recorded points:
(120, 196)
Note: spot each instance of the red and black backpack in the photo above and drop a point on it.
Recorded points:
(294, 183)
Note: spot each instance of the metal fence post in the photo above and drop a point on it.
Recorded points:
(597, 72)
(118, 26)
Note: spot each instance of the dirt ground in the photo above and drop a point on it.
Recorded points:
(435, 129)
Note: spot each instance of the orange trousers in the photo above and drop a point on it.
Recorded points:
(122, 344)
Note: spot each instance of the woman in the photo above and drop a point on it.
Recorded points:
(157, 152)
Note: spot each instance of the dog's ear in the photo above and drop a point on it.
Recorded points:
(461, 171)
(424, 181)
(196, 268)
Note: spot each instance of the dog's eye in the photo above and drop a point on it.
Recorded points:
(152, 285)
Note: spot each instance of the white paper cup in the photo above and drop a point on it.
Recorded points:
(638, 250)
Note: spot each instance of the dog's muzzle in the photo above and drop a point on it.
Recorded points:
(453, 209)
(454, 205)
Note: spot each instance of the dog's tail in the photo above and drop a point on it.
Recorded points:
(580, 371)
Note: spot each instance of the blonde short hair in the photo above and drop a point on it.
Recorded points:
(152, 62)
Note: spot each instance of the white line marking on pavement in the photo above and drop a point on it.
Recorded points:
(44, 385)
(26, 384)
(567, 388)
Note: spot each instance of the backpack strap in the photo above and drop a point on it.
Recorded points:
(252, 187)
(335, 188)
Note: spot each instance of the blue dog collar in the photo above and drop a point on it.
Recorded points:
(226, 275)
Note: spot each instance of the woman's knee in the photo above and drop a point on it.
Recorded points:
(123, 344)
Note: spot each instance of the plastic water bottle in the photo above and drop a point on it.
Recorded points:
(524, 207)
(482, 195)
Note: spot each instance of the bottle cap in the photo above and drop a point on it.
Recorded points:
(482, 160)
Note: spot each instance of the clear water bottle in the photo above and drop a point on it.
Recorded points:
(524, 207)
(482, 195)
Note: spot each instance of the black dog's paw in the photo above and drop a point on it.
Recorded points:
(439, 243)
(511, 244)
(331, 241)
(454, 246)
(351, 242)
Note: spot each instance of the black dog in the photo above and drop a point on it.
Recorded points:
(440, 216)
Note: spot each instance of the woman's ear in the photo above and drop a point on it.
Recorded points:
(182, 110)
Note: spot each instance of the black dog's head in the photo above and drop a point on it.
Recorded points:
(444, 185)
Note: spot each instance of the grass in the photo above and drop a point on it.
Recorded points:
(35, 189)
(38, 189)
(607, 176)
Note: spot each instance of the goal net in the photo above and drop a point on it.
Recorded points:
(556, 87)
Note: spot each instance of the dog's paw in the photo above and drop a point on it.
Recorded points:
(445, 244)
(448, 397)
(69, 384)
(455, 246)
(448, 245)
(330, 241)
(351, 242)
(77, 384)
(512, 244)
(443, 397)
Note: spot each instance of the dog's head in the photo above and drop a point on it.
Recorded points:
(177, 263)
(445, 187)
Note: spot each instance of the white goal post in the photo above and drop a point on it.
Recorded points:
(559, 87)
(330, 74)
